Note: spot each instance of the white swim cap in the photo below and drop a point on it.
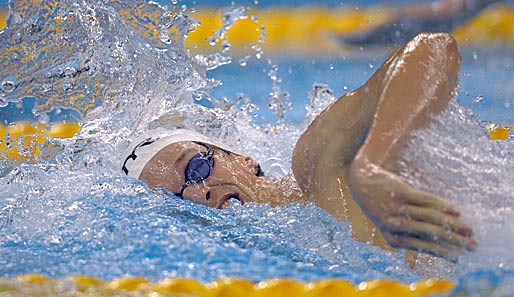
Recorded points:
(146, 146)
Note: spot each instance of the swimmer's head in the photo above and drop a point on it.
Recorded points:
(192, 166)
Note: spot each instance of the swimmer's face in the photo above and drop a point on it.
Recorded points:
(232, 176)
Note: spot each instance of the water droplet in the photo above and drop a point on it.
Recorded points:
(229, 18)
(212, 61)
(9, 84)
(47, 87)
(174, 2)
(478, 99)
(66, 86)
(212, 40)
(258, 50)
(244, 61)
(370, 66)
(70, 71)
(263, 34)
(197, 96)
(44, 118)
(225, 46)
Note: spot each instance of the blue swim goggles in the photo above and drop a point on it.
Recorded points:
(198, 169)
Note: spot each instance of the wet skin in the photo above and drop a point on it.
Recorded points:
(233, 176)
(344, 161)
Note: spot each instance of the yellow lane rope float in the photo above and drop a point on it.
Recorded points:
(38, 285)
(25, 140)
(314, 29)
(499, 131)
(3, 16)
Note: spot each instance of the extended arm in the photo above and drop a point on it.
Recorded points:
(359, 137)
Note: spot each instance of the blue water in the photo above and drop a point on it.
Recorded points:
(73, 212)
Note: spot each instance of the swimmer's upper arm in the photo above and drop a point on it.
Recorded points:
(332, 140)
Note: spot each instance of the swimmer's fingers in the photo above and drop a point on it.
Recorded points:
(429, 232)
(436, 217)
(425, 199)
(421, 245)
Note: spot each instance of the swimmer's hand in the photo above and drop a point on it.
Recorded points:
(409, 218)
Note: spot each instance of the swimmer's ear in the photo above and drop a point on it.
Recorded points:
(254, 167)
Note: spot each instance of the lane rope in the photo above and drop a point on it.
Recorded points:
(314, 29)
(36, 284)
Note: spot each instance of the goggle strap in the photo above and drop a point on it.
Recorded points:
(182, 189)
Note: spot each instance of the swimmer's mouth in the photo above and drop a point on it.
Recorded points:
(229, 198)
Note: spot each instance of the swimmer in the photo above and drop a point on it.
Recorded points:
(407, 21)
(343, 162)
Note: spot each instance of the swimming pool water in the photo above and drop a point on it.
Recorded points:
(74, 213)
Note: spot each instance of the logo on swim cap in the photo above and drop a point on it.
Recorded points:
(133, 155)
